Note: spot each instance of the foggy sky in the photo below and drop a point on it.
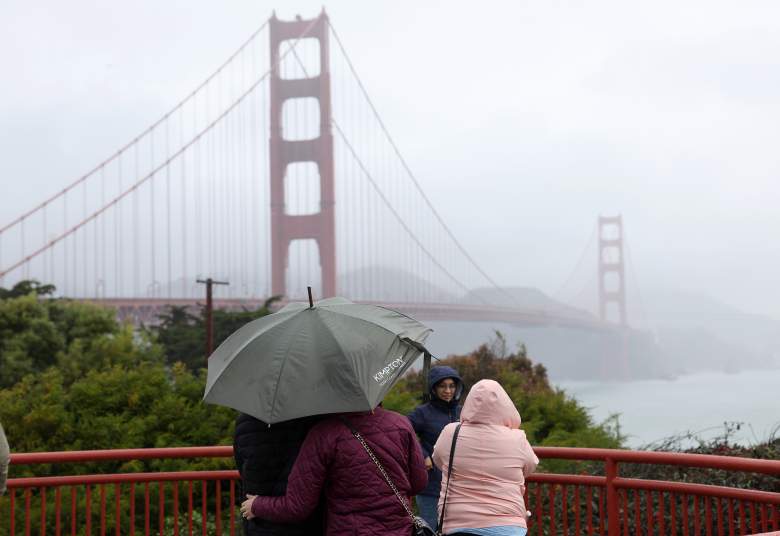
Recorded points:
(523, 121)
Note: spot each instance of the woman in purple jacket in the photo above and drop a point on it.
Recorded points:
(333, 462)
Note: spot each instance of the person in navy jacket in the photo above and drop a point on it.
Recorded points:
(446, 387)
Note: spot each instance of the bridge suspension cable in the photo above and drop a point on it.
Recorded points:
(643, 319)
(559, 294)
(140, 136)
(203, 215)
(397, 216)
(413, 178)
(87, 218)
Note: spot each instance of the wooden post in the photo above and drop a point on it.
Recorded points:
(210, 313)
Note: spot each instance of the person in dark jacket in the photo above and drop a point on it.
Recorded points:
(264, 457)
(445, 387)
(358, 500)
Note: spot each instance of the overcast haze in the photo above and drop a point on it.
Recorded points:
(522, 121)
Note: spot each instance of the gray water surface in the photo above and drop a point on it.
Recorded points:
(653, 409)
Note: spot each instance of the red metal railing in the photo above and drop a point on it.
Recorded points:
(615, 505)
(201, 502)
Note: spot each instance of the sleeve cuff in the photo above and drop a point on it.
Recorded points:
(257, 507)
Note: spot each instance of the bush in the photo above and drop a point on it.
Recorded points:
(550, 417)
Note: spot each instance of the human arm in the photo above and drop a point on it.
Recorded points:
(530, 461)
(441, 450)
(418, 467)
(238, 457)
(417, 419)
(5, 459)
(303, 485)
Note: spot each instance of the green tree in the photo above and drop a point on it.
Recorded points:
(550, 416)
(38, 332)
(182, 334)
(72, 378)
(130, 400)
(25, 287)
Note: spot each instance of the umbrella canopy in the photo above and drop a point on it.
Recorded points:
(333, 357)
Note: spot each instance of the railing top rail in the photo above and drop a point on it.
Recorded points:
(119, 478)
(710, 461)
(81, 456)
(732, 463)
(691, 488)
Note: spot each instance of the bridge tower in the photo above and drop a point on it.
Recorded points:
(320, 226)
(612, 287)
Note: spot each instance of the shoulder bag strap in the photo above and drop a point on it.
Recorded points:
(381, 469)
(449, 477)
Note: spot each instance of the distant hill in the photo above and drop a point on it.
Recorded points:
(698, 332)
(525, 298)
(684, 333)
(566, 352)
(390, 284)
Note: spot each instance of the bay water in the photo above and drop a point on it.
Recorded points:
(651, 410)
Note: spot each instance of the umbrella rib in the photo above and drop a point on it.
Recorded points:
(399, 312)
(429, 330)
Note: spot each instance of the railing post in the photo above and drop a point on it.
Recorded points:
(613, 517)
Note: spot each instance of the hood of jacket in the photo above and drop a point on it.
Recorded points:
(439, 373)
(488, 403)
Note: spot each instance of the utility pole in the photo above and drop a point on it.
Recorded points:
(210, 313)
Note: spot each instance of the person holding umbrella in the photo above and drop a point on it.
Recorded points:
(358, 499)
(445, 387)
(264, 457)
(340, 359)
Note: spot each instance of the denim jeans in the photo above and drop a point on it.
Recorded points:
(428, 506)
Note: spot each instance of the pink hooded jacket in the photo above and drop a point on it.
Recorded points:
(492, 458)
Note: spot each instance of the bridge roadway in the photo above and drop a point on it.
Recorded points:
(146, 310)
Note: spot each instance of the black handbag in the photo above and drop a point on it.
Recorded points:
(419, 526)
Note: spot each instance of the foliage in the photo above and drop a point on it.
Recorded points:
(25, 287)
(183, 334)
(126, 403)
(720, 445)
(74, 379)
(550, 417)
(37, 333)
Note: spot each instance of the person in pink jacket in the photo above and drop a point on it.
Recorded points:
(492, 459)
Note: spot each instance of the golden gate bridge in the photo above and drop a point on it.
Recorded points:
(276, 173)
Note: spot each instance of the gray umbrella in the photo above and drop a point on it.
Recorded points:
(333, 357)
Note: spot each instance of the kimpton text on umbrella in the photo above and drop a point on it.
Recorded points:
(380, 376)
